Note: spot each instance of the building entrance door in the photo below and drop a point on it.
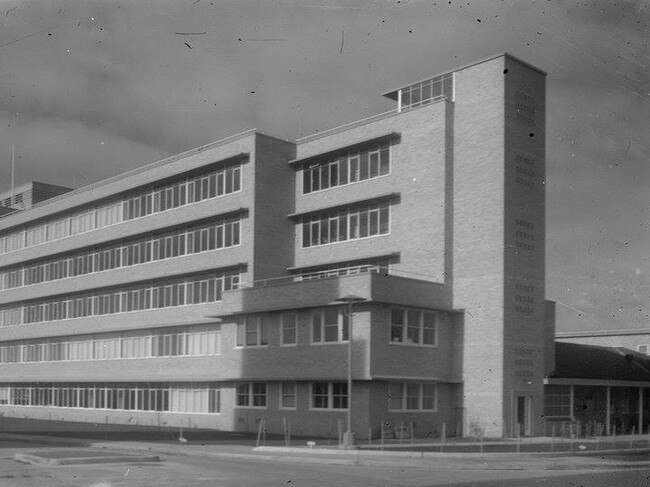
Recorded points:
(523, 415)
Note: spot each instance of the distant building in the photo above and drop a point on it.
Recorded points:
(634, 339)
(205, 290)
(602, 390)
(27, 195)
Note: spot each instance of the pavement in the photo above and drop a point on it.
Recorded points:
(321, 454)
(618, 455)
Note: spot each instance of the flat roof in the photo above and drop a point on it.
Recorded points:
(392, 93)
(602, 333)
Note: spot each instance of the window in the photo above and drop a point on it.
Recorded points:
(252, 332)
(178, 293)
(427, 91)
(217, 183)
(643, 349)
(288, 395)
(412, 396)
(329, 395)
(413, 327)
(557, 401)
(328, 325)
(251, 394)
(221, 234)
(348, 168)
(349, 224)
(288, 334)
(190, 398)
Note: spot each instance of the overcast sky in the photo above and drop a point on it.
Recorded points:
(91, 89)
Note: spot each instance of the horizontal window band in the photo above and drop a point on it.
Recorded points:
(188, 225)
(345, 263)
(216, 272)
(391, 136)
(391, 197)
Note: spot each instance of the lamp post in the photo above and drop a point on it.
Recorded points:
(348, 301)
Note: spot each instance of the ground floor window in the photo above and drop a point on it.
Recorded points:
(288, 395)
(181, 398)
(251, 394)
(412, 396)
(557, 401)
(329, 395)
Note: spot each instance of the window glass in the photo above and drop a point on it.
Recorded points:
(320, 395)
(288, 395)
(289, 329)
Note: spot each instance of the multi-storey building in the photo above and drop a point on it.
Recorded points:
(208, 289)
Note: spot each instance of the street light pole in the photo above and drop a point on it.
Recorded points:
(348, 301)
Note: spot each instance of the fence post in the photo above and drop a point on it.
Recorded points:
(553, 426)
(259, 432)
(443, 436)
(284, 429)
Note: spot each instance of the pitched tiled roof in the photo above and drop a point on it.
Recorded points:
(578, 361)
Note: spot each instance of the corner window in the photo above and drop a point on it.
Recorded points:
(328, 325)
(413, 327)
(252, 332)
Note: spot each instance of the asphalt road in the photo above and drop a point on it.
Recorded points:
(188, 471)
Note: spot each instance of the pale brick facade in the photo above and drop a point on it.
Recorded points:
(432, 215)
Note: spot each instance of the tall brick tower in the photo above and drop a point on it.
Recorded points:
(498, 241)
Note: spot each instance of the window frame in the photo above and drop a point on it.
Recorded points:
(260, 323)
(353, 223)
(250, 395)
(330, 396)
(283, 317)
(342, 326)
(281, 396)
(404, 396)
(346, 168)
(405, 328)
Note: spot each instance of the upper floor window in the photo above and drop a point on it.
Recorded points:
(252, 332)
(348, 224)
(288, 329)
(191, 290)
(346, 169)
(413, 327)
(427, 91)
(208, 185)
(221, 234)
(328, 325)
